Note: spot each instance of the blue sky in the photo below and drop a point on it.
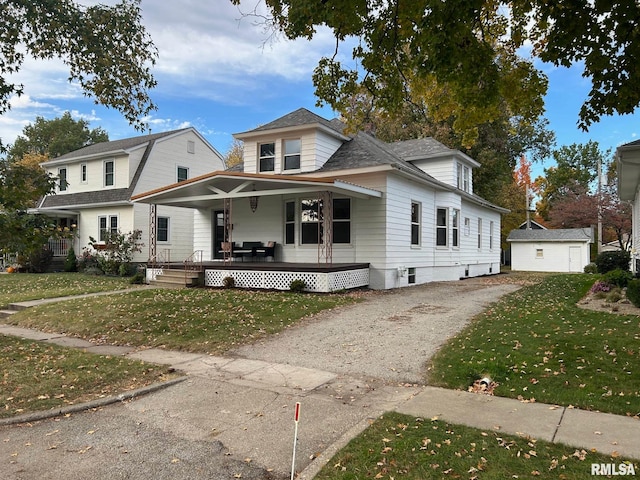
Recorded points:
(219, 73)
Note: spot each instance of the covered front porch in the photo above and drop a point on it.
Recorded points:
(264, 231)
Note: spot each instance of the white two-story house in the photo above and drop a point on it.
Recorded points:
(405, 211)
(96, 183)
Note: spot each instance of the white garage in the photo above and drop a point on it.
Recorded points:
(560, 250)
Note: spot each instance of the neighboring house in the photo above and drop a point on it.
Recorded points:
(532, 225)
(391, 214)
(628, 165)
(96, 184)
(554, 250)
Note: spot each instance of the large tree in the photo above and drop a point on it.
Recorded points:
(572, 196)
(575, 172)
(454, 43)
(52, 138)
(107, 50)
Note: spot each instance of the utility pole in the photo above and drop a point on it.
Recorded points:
(599, 205)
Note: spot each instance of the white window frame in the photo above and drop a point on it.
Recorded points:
(112, 174)
(479, 233)
(178, 168)
(168, 229)
(291, 154)
(84, 175)
(290, 222)
(440, 228)
(466, 177)
(539, 253)
(265, 157)
(63, 183)
(109, 225)
(467, 226)
(491, 235)
(455, 228)
(416, 223)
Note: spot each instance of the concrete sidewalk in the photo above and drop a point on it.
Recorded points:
(327, 415)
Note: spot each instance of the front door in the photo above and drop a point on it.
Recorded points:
(218, 233)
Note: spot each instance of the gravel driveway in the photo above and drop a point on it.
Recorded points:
(389, 336)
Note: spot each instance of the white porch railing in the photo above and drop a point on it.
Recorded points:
(60, 246)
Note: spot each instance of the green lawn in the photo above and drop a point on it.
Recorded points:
(38, 376)
(539, 346)
(195, 320)
(21, 287)
(397, 446)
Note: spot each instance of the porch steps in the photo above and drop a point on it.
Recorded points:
(178, 278)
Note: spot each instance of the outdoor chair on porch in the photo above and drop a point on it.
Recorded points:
(269, 250)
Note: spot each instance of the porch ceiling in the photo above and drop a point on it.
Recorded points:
(201, 191)
(628, 171)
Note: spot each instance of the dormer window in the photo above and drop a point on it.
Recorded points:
(267, 157)
(292, 154)
(463, 177)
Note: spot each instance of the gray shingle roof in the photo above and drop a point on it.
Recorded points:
(115, 145)
(300, 117)
(418, 147)
(86, 198)
(363, 150)
(551, 235)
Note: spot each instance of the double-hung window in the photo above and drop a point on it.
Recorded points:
(341, 220)
(292, 154)
(415, 223)
(62, 179)
(290, 223)
(182, 174)
(479, 233)
(490, 235)
(309, 221)
(455, 228)
(109, 173)
(107, 225)
(462, 173)
(311, 228)
(162, 230)
(83, 173)
(267, 157)
(442, 227)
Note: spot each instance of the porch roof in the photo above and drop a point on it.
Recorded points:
(200, 191)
